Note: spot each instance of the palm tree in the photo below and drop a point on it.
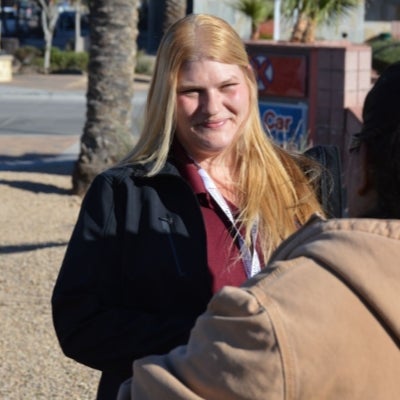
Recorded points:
(107, 132)
(174, 10)
(309, 14)
(258, 11)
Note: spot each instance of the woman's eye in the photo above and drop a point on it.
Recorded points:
(188, 92)
(229, 85)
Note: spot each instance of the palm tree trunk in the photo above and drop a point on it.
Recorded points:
(107, 134)
(174, 10)
(255, 31)
(309, 34)
(299, 28)
(310, 13)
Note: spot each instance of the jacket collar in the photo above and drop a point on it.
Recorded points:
(140, 170)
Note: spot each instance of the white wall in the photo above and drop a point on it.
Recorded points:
(222, 9)
(352, 25)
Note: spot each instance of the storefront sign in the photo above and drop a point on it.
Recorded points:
(286, 122)
(280, 75)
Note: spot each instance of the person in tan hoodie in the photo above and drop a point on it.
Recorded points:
(322, 320)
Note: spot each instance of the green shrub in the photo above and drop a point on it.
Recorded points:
(68, 60)
(27, 55)
(144, 63)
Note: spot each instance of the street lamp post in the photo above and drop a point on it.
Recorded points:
(277, 19)
(1, 22)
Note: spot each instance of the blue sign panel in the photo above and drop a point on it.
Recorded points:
(286, 122)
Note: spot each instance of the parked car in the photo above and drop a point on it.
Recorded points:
(8, 21)
(64, 33)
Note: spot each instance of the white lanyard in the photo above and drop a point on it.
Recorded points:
(250, 259)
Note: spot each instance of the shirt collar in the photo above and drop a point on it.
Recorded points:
(187, 168)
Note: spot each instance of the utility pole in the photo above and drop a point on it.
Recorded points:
(277, 19)
(78, 47)
(1, 22)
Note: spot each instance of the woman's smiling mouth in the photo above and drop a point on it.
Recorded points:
(213, 124)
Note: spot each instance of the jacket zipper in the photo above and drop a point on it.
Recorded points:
(167, 223)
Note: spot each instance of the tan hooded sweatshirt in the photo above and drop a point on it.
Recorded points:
(322, 321)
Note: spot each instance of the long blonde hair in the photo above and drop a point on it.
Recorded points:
(272, 187)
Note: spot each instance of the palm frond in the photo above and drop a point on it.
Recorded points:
(257, 10)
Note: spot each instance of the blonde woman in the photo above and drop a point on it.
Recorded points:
(200, 203)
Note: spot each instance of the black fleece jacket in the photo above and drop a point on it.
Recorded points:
(134, 277)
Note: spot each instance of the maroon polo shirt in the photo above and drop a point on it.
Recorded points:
(224, 262)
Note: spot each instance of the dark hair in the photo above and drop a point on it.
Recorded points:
(381, 135)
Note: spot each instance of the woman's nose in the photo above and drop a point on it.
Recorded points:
(210, 103)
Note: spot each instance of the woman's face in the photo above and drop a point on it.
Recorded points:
(213, 101)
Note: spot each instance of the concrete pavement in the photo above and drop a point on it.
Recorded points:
(40, 83)
(40, 153)
(55, 83)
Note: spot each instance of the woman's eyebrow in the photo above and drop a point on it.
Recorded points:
(190, 85)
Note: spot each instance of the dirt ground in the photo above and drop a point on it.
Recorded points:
(37, 215)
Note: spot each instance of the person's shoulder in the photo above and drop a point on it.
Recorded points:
(355, 226)
(318, 229)
(334, 245)
(114, 178)
(132, 172)
(121, 172)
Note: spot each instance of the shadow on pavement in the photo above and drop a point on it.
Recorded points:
(40, 163)
(36, 187)
(29, 247)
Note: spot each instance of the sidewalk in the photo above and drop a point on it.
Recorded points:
(37, 216)
(59, 83)
(26, 83)
(22, 152)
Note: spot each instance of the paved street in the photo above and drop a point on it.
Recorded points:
(42, 118)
